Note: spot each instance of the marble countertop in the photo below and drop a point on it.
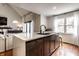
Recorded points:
(31, 36)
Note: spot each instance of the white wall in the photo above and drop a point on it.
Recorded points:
(8, 12)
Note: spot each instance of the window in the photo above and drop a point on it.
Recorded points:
(64, 25)
(69, 25)
(28, 27)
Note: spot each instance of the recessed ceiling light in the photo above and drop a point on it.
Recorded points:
(54, 7)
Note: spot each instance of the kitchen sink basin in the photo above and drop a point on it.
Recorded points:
(43, 33)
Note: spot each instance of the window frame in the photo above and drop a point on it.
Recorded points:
(65, 26)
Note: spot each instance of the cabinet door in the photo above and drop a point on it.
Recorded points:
(34, 48)
(57, 41)
(2, 44)
(52, 44)
(46, 46)
(40, 47)
(9, 42)
(32, 51)
(30, 48)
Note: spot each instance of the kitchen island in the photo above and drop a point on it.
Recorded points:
(33, 44)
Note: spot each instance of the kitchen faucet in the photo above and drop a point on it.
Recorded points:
(42, 28)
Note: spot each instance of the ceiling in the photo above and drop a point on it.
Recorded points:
(47, 9)
(20, 11)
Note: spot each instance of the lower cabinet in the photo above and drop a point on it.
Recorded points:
(9, 43)
(40, 47)
(52, 44)
(46, 46)
(34, 48)
(43, 46)
(57, 41)
(2, 46)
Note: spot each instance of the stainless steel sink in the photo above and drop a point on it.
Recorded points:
(43, 33)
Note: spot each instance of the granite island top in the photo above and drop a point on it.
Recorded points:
(31, 36)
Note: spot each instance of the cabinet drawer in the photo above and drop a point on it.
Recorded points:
(39, 41)
(29, 45)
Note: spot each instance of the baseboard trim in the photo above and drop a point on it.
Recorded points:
(71, 44)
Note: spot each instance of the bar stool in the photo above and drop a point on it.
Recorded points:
(60, 37)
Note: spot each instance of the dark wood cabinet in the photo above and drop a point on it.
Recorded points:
(52, 44)
(31, 48)
(57, 41)
(46, 46)
(34, 48)
(42, 47)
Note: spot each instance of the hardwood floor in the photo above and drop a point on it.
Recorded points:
(67, 50)
(7, 53)
(64, 50)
